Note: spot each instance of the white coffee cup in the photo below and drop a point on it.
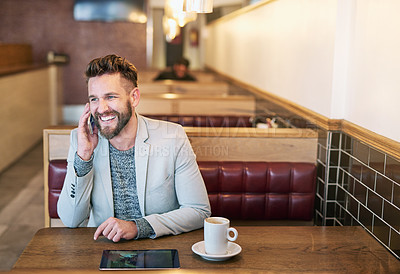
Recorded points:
(217, 234)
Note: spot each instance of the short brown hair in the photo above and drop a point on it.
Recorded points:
(110, 64)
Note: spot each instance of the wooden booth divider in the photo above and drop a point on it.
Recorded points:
(184, 104)
(209, 144)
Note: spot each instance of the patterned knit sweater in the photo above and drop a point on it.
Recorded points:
(123, 178)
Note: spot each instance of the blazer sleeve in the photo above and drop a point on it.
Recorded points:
(190, 191)
(74, 202)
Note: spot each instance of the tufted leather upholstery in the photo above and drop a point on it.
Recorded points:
(57, 172)
(239, 190)
(205, 121)
(260, 190)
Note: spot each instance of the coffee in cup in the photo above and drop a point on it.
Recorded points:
(216, 235)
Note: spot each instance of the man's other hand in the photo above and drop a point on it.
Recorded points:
(115, 229)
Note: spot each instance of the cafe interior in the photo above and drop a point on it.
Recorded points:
(292, 118)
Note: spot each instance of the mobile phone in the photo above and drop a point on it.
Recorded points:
(91, 124)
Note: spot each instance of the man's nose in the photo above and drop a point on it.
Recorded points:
(103, 106)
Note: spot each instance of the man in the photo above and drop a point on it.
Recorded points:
(130, 176)
(179, 71)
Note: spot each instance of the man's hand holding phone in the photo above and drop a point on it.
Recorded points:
(87, 135)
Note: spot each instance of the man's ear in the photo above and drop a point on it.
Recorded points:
(135, 96)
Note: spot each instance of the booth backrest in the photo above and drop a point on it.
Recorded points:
(260, 190)
(57, 172)
(205, 120)
(238, 190)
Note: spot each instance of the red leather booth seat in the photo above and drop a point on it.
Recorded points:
(260, 190)
(239, 190)
(205, 121)
(57, 172)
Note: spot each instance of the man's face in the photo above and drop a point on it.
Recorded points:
(180, 70)
(110, 103)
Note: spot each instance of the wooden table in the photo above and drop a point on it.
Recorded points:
(265, 248)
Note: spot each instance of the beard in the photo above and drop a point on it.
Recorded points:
(123, 119)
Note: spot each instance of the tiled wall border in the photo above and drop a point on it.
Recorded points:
(358, 185)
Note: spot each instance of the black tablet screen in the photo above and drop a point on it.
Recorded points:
(139, 259)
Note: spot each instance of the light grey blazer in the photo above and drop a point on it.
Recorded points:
(171, 191)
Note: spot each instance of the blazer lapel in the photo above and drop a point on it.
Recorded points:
(142, 150)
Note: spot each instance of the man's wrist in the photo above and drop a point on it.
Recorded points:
(81, 166)
(144, 229)
(85, 156)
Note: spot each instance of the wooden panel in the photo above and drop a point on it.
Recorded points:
(59, 145)
(179, 87)
(146, 76)
(56, 223)
(156, 87)
(294, 145)
(15, 54)
(25, 111)
(222, 107)
(155, 106)
(380, 142)
(254, 144)
(56, 142)
(56, 94)
(255, 149)
(250, 132)
(192, 104)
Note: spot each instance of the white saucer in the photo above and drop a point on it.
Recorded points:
(233, 250)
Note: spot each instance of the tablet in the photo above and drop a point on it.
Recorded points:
(139, 259)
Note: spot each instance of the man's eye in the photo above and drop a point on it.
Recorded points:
(93, 99)
(110, 97)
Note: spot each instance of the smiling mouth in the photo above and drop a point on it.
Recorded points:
(107, 118)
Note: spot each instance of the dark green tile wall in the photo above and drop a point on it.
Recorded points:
(358, 185)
